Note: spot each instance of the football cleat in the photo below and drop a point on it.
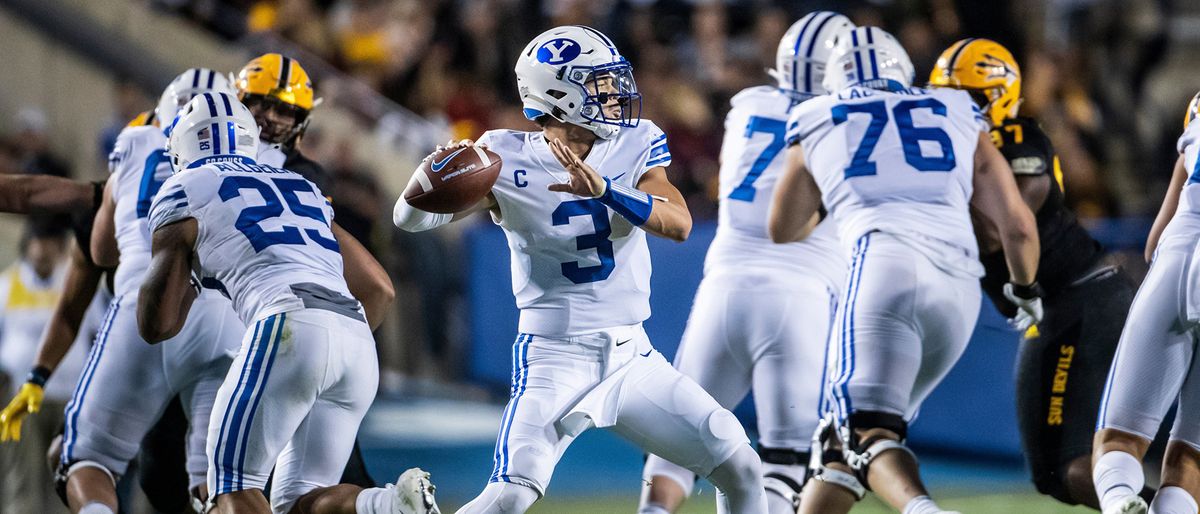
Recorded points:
(1130, 505)
(414, 493)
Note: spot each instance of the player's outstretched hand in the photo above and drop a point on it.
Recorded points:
(27, 401)
(584, 180)
(1028, 300)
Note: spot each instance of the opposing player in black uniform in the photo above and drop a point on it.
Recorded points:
(1063, 361)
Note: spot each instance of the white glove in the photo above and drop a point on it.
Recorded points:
(1028, 300)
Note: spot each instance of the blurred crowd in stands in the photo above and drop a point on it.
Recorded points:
(1086, 66)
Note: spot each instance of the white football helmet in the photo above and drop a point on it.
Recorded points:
(185, 87)
(213, 124)
(868, 56)
(804, 49)
(575, 74)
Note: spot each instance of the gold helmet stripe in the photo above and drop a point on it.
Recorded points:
(285, 72)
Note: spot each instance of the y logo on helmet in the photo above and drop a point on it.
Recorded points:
(558, 51)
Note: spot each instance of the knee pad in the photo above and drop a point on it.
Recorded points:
(784, 472)
(722, 427)
(721, 435)
(827, 448)
(65, 470)
(859, 452)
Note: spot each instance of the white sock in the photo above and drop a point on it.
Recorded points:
(921, 505)
(1117, 475)
(653, 508)
(1173, 500)
(95, 508)
(374, 500)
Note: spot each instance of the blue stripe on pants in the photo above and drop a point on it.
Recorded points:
(266, 374)
(217, 450)
(85, 381)
(498, 455)
(846, 359)
(239, 403)
(520, 380)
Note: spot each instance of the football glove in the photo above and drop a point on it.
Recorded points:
(1028, 300)
(27, 401)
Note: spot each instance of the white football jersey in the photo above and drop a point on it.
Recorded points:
(897, 162)
(262, 231)
(751, 163)
(1187, 215)
(577, 266)
(138, 165)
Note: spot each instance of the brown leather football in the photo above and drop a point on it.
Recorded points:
(453, 179)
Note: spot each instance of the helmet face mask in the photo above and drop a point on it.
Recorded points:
(280, 94)
(611, 95)
(280, 121)
(575, 75)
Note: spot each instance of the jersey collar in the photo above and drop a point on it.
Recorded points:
(220, 158)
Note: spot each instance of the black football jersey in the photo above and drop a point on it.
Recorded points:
(1068, 251)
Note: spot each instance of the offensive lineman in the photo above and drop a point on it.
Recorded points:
(762, 313)
(1154, 363)
(895, 166)
(1064, 360)
(127, 383)
(298, 389)
(576, 200)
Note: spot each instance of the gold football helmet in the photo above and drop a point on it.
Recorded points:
(985, 69)
(142, 119)
(279, 93)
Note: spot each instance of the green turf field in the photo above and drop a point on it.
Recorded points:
(702, 504)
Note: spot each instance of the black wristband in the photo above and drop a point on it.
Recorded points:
(1028, 292)
(38, 376)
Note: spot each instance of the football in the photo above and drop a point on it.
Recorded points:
(453, 179)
